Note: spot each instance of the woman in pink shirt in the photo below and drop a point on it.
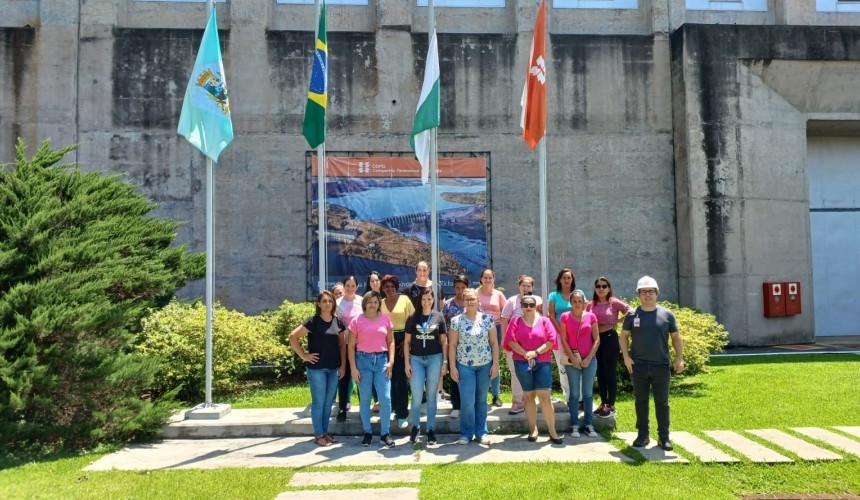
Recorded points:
(371, 356)
(531, 338)
(580, 340)
(492, 301)
(606, 307)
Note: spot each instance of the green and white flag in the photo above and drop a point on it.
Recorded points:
(427, 114)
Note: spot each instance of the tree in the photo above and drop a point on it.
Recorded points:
(81, 261)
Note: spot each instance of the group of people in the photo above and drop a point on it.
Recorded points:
(391, 342)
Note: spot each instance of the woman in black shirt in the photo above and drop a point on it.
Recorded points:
(425, 346)
(325, 362)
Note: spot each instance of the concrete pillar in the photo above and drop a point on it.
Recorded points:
(57, 73)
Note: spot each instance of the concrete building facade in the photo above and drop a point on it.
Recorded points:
(696, 141)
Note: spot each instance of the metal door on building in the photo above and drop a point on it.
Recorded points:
(834, 219)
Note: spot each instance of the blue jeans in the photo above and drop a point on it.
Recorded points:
(496, 383)
(425, 370)
(323, 383)
(474, 382)
(371, 366)
(581, 382)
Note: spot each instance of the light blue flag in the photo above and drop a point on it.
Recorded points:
(205, 118)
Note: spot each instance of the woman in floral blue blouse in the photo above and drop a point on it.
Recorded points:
(476, 352)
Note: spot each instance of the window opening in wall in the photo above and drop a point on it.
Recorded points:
(182, 1)
(464, 3)
(750, 5)
(837, 5)
(596, 4)
(327, 2)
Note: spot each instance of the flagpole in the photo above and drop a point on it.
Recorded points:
(322, 221)
(210, 260)
(434, 176)
(544, 266)
(544, 257)
(321, 216)
(544, 254)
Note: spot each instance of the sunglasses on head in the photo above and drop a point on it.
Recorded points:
(601, 286)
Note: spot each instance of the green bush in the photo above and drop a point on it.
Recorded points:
(702, 335)
(81, 260)
(283, 321)
(175, 335)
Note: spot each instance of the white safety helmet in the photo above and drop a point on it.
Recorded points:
(647, 282)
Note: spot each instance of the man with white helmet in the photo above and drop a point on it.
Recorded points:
(648, 359)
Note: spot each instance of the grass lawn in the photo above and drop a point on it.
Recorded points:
(740, 393)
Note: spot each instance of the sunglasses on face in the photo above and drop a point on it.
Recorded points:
(601, 286)
(528, 305)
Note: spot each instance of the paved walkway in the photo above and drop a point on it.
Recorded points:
(757, 445)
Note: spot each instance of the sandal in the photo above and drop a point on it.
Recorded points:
(331, 439)
(322, 441)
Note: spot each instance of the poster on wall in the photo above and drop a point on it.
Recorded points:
(379, 218)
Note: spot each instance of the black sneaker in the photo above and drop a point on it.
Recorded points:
(601, 411)
(367, 440)
(431, 436)
(413, 435)
(341, 416)
(387, 441)
(641, 442)
(666, 445)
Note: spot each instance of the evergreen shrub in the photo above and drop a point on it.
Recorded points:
(82, 259)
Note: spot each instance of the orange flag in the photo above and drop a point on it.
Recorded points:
(533, 119)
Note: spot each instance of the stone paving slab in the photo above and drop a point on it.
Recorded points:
(702, 449)
(854, 431)
(801, 448)
(831, 438)
(267, 422)
(747, 447)
(355, 477)
(651, 452)
(362, 493)
(302, 452)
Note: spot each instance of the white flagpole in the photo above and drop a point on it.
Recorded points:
(434, 177)
(544, 266)
(322, 222)
(210, 260)
(544, 257)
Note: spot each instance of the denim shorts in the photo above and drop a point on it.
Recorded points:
(538, 379)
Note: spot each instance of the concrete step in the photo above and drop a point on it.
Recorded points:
(297, 422)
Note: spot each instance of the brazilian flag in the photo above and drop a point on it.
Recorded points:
(314, 124)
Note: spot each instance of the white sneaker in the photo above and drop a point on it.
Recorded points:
(485, 439)
(455, 413)
(463, 440)
(574, 433)
(590, 432)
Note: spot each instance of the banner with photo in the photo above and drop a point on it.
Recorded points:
(379, 218)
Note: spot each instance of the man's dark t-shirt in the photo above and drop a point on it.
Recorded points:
(650, 333)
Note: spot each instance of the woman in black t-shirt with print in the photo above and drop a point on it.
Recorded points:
(426, 345)
(325, 361)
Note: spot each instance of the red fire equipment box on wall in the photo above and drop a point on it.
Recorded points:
(774, 299)
(792, 297)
